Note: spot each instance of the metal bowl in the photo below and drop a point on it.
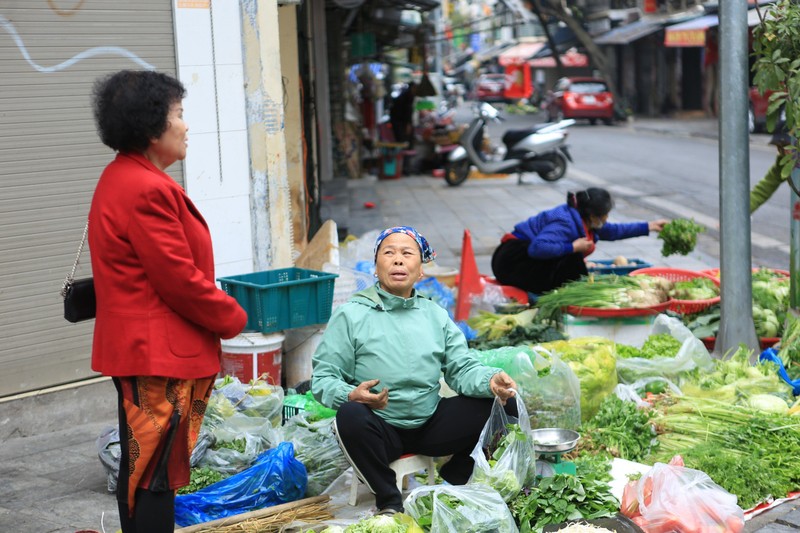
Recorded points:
(550, 440)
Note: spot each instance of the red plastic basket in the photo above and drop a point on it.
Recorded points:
(714, 272)
(685, 307)
(764, 342)
(575, 310)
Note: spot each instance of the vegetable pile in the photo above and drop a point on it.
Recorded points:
(498, 330)
(605, 291)
(679, 236)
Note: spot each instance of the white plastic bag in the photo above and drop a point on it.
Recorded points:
(459, 509)
(692, 354)
(504, 470)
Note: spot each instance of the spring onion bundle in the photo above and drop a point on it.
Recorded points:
(607, 291)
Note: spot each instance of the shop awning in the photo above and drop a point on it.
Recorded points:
(690, 33)
(519, 53)
(629, 32)
(693, 32)
(492, 51)
(570, 59)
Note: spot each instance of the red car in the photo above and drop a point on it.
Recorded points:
(491, 88)
(580, 98)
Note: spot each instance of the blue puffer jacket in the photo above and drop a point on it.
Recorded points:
(552, 232)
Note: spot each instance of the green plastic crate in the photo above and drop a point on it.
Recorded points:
(284, 298)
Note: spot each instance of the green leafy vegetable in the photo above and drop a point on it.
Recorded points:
(563, 497)
(621, 429)
(200, 478)
(679, 236)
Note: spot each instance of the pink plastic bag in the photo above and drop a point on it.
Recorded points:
(673, 498)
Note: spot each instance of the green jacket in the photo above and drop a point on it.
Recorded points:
(764, 189)
(407, 344)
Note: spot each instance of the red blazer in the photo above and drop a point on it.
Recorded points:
(159, 311)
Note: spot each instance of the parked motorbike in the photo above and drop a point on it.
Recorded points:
(541, 149)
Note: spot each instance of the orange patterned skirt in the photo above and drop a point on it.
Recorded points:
(159, 420)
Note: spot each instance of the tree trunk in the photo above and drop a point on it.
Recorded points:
(596, 56)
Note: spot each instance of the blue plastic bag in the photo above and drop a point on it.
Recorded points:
(275, 477)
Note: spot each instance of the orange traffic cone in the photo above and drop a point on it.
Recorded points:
(469, 279)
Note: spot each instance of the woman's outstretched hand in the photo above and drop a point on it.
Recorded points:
(502, 386)
(363, 394)
(657, 225)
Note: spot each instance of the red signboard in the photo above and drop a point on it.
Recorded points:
(650, 6)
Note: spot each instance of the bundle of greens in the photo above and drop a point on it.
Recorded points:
(619, 428)
(498, 330)
(705, 323)
(398, 523)
(316, 447)
(605, 291)
(694, 289)
(656, 345)
(750, 453)
(502, 477)
(593, 361)
(466, 509)
(679, 236)
(771, 297)
(200, 478)
(735, 380)
(563, 497)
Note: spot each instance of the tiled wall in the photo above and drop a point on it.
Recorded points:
(217, 164)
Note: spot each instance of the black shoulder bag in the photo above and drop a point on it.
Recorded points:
(78, 294)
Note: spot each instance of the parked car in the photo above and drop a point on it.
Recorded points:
(580, 98)
(491, 88)
(757, 110)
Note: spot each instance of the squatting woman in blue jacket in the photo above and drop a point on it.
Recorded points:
(548, 249)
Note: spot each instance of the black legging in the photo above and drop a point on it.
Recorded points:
(512, 265)
(370, 443)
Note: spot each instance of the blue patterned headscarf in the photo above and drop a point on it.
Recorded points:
(425, 249)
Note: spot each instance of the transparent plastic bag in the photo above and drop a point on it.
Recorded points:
(548, 387)
(459, 509)
(634, 392)
(507, 470)
(360, 250)
(670, 497)
(692, 354)
(109, 451)
(260, 400)
(317, 448)
(255, 435)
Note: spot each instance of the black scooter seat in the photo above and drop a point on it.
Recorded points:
(512, 137)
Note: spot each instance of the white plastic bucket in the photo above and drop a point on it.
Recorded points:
(253, 355)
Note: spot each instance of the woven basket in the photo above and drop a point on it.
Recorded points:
(685, 307)
(714, 272)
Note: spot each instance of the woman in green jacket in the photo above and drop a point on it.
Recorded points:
(379, 365)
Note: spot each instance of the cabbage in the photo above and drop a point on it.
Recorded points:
(768, 403)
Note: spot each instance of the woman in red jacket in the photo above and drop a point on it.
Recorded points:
(160, 315)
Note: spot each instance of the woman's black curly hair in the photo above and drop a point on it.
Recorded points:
(131, 107)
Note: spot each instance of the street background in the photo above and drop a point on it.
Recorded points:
(53, 480)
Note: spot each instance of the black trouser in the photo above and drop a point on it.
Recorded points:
(154, 513)
(512, 265)
(370, 443)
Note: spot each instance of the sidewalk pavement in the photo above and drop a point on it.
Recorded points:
(52, 480)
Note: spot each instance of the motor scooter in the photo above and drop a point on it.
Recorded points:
(541, 149)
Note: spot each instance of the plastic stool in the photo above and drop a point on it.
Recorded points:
(406, 464)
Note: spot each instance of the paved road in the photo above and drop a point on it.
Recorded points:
(672, 172)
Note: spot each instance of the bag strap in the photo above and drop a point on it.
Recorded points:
(68, 280)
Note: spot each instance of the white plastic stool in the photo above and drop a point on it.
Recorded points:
(406, 464)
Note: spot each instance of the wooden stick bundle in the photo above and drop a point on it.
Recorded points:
(311, 510)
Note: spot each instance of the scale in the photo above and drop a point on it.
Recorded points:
(550, 444)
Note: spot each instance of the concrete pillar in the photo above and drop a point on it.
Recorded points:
(266, 118)
(296, 151)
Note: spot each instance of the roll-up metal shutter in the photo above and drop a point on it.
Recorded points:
(51, 51)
